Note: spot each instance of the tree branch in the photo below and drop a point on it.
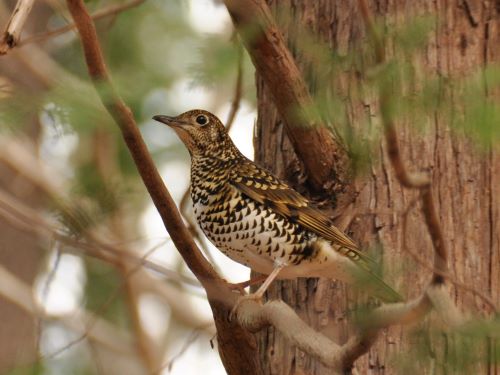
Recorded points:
(338, 357)
(15, 25)
(237, 346)
(124, 119)
(275, 64)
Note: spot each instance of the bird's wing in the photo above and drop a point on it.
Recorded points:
(263, 187)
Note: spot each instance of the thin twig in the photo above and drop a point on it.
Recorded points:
(22, 162)
(102, 13)
(466, 287)
(195, 333)
(238, 88)
(15, 25)
(104, 160)
(123, 117)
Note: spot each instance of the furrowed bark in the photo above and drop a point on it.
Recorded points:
(323, 156)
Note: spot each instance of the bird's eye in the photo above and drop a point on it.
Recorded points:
(202, 119)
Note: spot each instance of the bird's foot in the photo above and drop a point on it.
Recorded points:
(257, 297)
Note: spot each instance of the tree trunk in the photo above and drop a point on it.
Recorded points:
(465, 182)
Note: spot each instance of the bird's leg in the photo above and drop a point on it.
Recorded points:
(257, 296)
(262, 289)
(241, 286)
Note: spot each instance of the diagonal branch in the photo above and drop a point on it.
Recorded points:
(130, 132)
(15, 25)
(275, 64)
(237, 346)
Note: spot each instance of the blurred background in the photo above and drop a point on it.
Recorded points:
(90, 282)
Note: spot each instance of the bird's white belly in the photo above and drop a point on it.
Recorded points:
(250, 238)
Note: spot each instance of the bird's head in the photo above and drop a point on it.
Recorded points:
(202, 133)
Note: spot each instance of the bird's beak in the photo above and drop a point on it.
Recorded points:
(169, 120)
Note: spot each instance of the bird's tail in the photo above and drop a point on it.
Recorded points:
(355, 272)
(373, 284)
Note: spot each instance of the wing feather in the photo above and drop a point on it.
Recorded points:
(263, 187)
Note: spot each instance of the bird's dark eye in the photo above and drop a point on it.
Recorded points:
(202, 119)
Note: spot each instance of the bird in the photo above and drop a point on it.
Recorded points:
(258, 220)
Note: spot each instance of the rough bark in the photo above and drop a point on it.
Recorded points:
(465, 182)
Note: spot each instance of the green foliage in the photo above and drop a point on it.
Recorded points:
(459, 351)
(36, 368)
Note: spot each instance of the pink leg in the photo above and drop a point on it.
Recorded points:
(257, 296)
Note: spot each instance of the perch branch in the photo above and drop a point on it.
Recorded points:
(339, 357)
(15, 25)
(275, 64)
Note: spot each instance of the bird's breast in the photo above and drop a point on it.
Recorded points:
(247, 231)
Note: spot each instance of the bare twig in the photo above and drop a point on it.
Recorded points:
(195, 333)
(45, 291)
(235, 104)
(123, 117)
(15, 25)
(102, 13)
(275, 64)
